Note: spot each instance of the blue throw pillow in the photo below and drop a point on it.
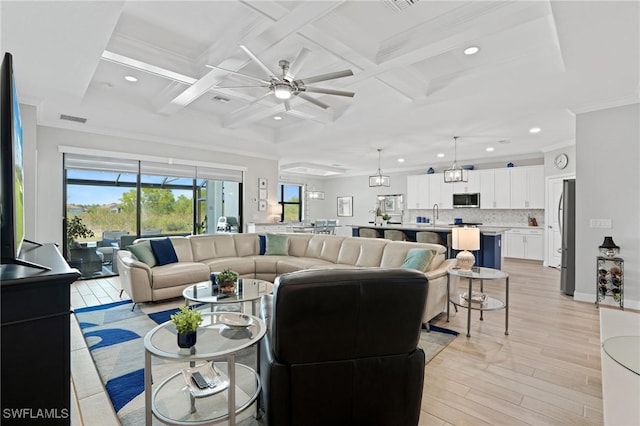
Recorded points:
(164, 252)
(419, 259)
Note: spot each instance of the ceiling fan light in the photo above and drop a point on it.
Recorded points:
(282, 91)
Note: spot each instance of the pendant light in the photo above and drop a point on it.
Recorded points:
(379, 179)
(455, 174)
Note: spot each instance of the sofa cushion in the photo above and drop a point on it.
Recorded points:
(246, 244)
(293, 264)
(298, 244)
(142, 251)
(277, 245)
(361, 251)
(242, 265)
(418, 259)
(396, 252)
(325, 247)
(181, 273)
(163, 251)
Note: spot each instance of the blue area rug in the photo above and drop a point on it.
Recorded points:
(114, 334)
(115, 337)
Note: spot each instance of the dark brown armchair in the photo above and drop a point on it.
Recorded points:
(342, 348)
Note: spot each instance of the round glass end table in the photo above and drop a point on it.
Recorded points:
(471, 300)
(232, 387)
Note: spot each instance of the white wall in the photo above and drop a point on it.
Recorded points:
(48, 187)
(551, 170)
(608, 187)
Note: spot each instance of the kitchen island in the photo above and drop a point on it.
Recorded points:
(489, 255)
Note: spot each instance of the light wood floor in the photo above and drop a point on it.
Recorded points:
(546, 371)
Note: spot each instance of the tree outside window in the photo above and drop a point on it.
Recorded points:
(290, 198)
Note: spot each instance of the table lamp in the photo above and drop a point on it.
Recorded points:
(465, 239)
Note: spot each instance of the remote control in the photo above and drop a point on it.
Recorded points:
(199, 380)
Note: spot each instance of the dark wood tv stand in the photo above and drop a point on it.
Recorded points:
(35, 339)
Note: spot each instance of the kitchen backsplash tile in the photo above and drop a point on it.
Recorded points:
(484, 216)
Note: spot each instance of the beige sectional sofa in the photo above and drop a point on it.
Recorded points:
(199, 255)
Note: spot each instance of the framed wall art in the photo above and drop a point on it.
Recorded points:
(262, 183)
(262, 205)
(345, 206)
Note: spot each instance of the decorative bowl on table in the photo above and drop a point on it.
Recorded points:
(234, 320)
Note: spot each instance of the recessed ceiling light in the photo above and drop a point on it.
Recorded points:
(277, 117)
(440, 155)
(490, 149)
(130, 78)
(472, 50)
(534, 130)
(400, 160)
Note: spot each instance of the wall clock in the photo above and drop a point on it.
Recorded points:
(561, 161)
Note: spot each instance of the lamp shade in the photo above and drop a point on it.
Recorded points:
(465, 238)
(609, 248)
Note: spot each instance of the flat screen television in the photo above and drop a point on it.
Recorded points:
(12, 229)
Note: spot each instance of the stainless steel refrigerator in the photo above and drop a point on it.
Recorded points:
(567, 221)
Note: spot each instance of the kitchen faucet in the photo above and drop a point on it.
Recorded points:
(434, 212)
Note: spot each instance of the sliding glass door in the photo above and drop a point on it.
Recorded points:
(119, 200)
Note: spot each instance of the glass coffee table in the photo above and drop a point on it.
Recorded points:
(479, 301)
(247, 290)
(232, 387)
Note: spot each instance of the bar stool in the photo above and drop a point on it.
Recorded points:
(368, 233)
(393, 235)
(428, 237)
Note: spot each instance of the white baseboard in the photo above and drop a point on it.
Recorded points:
(591, 297)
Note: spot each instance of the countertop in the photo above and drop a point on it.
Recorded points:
(438, 227)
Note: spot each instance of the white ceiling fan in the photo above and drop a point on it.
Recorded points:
(284, 85)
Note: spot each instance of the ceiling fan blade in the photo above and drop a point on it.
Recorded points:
(259, 62)
(295, 66)
(238, 87)
(313, 101)
(242, 108)
(327, 91)
(324, 77)
(287, 105)
(237, 73)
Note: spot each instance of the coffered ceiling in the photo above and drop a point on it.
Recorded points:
(539, 63)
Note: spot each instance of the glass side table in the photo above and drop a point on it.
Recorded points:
(479, 301)
(171, 401)
(248, 290)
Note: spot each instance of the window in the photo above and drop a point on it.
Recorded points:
(290, 198)
(115, 197)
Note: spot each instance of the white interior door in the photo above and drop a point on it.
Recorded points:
(554, 237)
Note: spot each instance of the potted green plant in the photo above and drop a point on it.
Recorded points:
(227, 280)
(186, 321)
(77, 229)
(385, 218)
(83, 258)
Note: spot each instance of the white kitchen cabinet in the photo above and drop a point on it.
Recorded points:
(440, 193)
(417, 192)
(527, 187)
(495, 189)
(524, 244)
(446, 193)
(472, 186)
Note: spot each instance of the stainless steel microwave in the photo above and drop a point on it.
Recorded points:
(466, 200)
